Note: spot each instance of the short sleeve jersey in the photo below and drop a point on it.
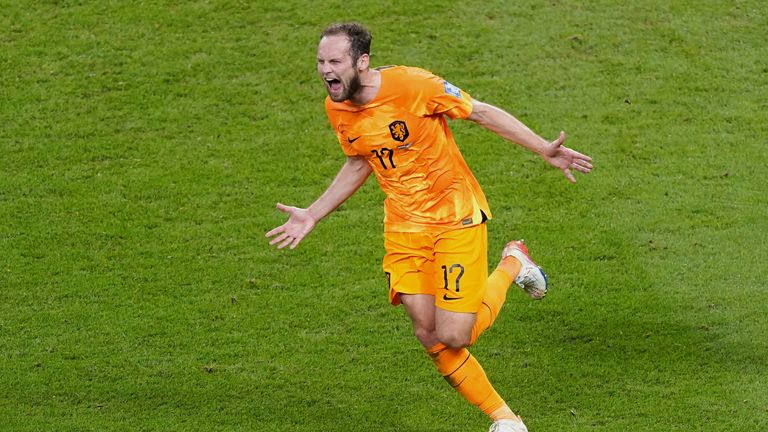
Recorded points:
(404, 136)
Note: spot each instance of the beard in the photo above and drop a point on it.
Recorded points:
(354, 86)
(349, 90)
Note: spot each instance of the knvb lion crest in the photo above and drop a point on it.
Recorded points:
(398, 130)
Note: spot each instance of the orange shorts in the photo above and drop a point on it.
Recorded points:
(452, 266)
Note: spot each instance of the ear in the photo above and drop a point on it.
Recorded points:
(363, 62)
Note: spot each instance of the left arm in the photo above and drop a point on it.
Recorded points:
(508, 127)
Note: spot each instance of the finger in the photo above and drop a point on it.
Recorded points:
(277, 230)
(580, 156)
(296, 242)
(569, 175)
(584, 163)
(575, 154)
(284, 208)
(582, 166)
(560, 140)
(285, 242)
(278, 239)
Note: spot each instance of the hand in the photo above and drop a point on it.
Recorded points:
(299, 224)
(565, 159)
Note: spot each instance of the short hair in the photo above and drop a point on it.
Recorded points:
(359, 37)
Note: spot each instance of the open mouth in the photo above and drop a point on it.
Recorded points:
(333, 84)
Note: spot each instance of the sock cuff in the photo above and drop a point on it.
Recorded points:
(448, 360)
(436, 349)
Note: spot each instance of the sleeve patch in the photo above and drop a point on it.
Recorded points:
(452, 89)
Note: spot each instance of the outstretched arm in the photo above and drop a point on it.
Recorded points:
(508, 127)
(302, 221)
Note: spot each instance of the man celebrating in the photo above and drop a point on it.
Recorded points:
(392, 121)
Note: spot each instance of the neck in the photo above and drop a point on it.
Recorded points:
(370, 83)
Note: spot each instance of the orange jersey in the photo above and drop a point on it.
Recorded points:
(404, 136)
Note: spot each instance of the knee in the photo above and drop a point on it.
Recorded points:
(426, 336)
(454, 339)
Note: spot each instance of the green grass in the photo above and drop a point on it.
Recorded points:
(144, 145)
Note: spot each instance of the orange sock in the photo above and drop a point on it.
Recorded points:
(510, 265)
(464, 373)
(495, 294)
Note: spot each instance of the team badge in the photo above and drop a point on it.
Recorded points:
(398, 130)
(451, 89)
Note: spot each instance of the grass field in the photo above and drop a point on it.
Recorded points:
(144, 145)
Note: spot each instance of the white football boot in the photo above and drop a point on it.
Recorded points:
(508, 425)
(531, 278)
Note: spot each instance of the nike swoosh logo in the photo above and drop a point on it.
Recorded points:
(351, 140)
(446, 298)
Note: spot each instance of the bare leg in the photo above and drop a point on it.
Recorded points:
(454, 363)
(433, 325)
(421, 309)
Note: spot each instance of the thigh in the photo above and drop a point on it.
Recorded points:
(454, 329)
(421, 311)
(461, 269)
(432, 325)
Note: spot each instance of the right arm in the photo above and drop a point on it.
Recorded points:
(301, 221)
